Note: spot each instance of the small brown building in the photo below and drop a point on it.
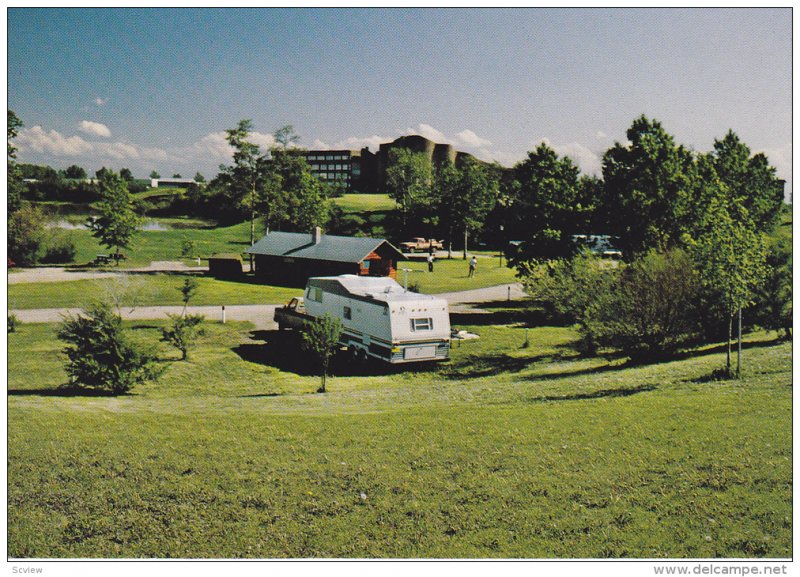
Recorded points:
(290, 258)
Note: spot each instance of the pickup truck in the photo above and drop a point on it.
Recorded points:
(292, 315)
(419, 244)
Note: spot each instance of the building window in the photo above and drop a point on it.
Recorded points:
(421, 325)
(348, 314)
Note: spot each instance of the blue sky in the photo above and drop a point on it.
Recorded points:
(155, 89)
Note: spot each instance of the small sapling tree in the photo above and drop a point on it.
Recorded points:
(320, 339)
(182, 332)
(188, 290)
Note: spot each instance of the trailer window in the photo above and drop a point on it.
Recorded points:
(421, 325)
(348, 314)
(315, 294)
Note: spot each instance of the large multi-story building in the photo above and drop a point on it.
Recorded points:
(350, 169)
(364, 171)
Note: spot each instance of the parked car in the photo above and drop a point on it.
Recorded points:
(419, 244)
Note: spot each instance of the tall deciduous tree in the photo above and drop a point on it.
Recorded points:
(648, 185)
(543, 205)
(409, 177)
(118, 222)
(15, 184)
(749, 179)
(244, 174)
(730, 256)
(291, 196)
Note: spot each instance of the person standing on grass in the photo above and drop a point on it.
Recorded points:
(430, 262)
(473, 262)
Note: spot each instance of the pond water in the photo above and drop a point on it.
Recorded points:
(149, 225)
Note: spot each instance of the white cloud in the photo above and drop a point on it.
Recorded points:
(94, 128)
(600, 135)
(587, 160)
(265, 141)
(214, 146)
(469, 138)
(356, 143)
(428, 132)
(38, 140)
(503, 158)
(319, 145)
(100, 101)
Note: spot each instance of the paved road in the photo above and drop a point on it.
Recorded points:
(59, 274)
(261, 315)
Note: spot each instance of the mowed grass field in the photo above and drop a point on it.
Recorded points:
(164, 289)
(503, 451)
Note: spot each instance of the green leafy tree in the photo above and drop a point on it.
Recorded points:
(749, 179)
(75, 172)
(155, 175)
(182, 332)
(730, 256)
(444, 190)
(648, 187)
(15, 185)
(774, 297)
(177, 175)
(100, 353)
(117, 222)
(409, 177)
(285, 136)
(199, 178)
(26, 235)
(320, 338)
(242, 179)
(476, 193)
(126, 174)
(290, 196)
(543, 206)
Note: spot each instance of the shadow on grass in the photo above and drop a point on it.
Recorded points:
(604, 393)
(503, 312)
(64, 391)
(281, 350)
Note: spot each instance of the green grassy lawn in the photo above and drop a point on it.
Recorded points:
(163, 289)
(148, 289)
(501, 452)
(453, 274)
(150, 246)
(361, 203)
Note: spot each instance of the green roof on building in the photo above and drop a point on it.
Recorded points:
(329, 247)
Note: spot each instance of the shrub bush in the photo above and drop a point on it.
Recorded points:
(646, 308)
(101, 355)
(60, 247)
(26, 235)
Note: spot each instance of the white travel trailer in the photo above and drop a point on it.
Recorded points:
(379, 318)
